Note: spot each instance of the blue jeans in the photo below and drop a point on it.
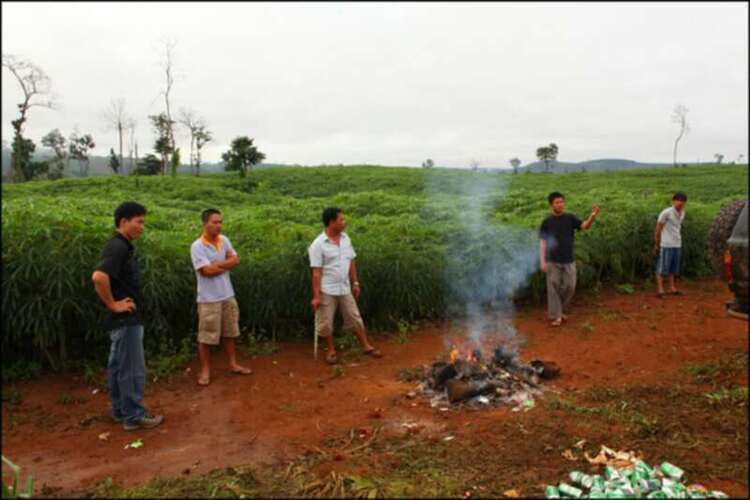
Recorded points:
(126, 373)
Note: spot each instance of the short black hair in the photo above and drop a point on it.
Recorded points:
(679, 196)
(554, 195)
(207, 213)
(127, 211)
(330, 214)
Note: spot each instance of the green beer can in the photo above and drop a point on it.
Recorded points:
(551, 492)
(672, 471)
(568, 490)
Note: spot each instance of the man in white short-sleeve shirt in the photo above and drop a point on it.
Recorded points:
(334, 283)
(668, 244)
(218, 313)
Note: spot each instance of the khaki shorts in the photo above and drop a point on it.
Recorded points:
(218, 319)
(327, 311)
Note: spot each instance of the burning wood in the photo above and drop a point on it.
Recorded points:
(470, 378)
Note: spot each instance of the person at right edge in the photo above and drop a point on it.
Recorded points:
(117, 283)
(557, 257)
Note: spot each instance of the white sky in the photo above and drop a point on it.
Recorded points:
(393, 84)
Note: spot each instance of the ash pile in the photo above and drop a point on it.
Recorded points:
(475, 381)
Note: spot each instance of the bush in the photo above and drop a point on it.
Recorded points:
(416, 252)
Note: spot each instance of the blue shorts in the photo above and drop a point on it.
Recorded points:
(668, 261)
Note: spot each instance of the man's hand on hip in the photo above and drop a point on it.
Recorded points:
(315, 303)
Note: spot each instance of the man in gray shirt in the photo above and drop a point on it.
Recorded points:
(335, 284)
(668, 244)
(218, 313)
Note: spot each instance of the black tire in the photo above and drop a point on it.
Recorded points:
(720, 231)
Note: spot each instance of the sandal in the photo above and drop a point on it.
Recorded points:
(374, 353)
(204, 381)
(243, 371)
(557, 322)
(331, 358)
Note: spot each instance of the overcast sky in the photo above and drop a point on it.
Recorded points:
(393, 84)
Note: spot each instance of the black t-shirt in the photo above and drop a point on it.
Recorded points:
(558, 232)
(120, 263)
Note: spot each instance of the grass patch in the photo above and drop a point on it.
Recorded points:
(256, 345)
(12, 395)
(719, 371)
(410, 374)
(19, 370)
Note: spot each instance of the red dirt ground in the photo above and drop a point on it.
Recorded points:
(611, 340)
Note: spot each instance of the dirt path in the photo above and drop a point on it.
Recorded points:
(611, 340)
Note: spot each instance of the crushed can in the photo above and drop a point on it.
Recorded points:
(570, 491)
(551, 492)
(672, 471)
(611, 473)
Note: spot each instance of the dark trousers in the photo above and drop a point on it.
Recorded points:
(126, 373)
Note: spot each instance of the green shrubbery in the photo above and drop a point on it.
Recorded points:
(405, 224)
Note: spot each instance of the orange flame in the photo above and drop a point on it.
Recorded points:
(454, 355)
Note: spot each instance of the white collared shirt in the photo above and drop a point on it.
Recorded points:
(335, 261)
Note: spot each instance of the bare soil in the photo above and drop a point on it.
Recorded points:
(632, 348)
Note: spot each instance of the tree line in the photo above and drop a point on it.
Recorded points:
(166, 157)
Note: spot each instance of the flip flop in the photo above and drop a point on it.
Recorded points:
(204, 381)
(374, 353)
(242, 371)
(331, 358)
(556, 323)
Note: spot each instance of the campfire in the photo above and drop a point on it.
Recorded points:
(468, 377)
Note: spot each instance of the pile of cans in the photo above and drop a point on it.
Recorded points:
(637, 481)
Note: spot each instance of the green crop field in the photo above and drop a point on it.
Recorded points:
(421, 246)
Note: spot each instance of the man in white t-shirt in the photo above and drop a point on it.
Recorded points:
(668, 244)
(335, 284)
(218, 313)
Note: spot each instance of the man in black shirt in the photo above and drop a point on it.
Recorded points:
(556, 255)
(116, 281)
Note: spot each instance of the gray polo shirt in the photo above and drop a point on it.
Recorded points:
(211, 288)
(335, 261)
(670, 233)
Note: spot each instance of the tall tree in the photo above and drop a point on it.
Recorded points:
(117, 119)
(35, 85)
(719, 158)
(515, 163)
(547, 154)
(202, 136)
(132, 145)
(679, 116)
(428, 163)
(242, 155)
(163, 145)
(57, 143)
(168, 64)
(78, 149)
(193, 124)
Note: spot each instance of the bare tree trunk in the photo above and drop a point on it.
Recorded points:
(119, 134)
(674, 152)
